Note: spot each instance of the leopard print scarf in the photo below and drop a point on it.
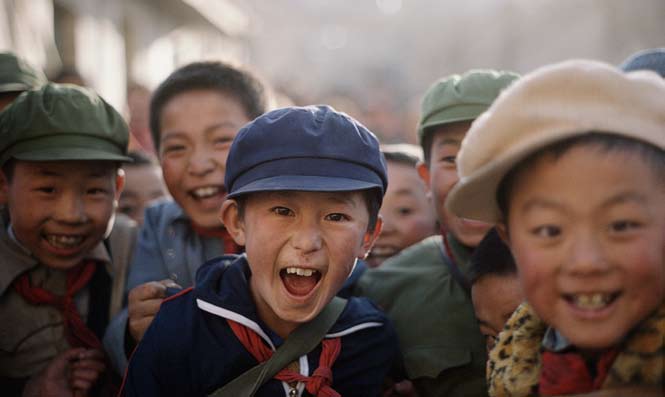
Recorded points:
(514, 363)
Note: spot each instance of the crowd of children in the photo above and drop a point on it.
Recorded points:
(518, 251)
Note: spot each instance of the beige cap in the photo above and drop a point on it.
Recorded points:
(551, 104)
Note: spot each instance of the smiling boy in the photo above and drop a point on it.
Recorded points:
(60, 155)
(576, 182)
(305, 186)
(194, 115)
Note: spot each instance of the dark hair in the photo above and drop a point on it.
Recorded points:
(491, 257)
(606, 142)
(430, 132)
(140, 158)
(402, 153)
(240, 84)
(372, 200)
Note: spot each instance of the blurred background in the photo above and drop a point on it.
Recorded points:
(370, 58)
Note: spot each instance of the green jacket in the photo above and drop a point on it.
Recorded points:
(444, 352)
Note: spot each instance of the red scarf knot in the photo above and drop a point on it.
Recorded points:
(230, 246)
(77, 332)
(319, 384)
(567, 373)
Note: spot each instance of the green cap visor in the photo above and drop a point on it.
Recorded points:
(64, 147)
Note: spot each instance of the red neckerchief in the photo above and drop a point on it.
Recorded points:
(78, 334)
(230, 246)
(567, 373)
(319, 384)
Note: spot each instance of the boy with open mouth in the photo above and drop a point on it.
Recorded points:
(305, 186)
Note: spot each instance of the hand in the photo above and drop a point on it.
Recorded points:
(86, 370)
(402, 388)
(144, 302)
(70, 374)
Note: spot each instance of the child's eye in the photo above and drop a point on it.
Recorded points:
(623, 226)
(282, 211)
(337, 217)
(96, 191)
(46, 189)
(448, 160)
(404, 211)
(546, 231)
(173, 149)
(222, 141)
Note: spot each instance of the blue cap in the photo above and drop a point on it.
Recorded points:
(313, 148)
(652, 59)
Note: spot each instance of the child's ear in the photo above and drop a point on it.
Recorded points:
(119, 183)
(502, 231)
(423, 172)
(370, 238)
(4, 189)
(232, 221)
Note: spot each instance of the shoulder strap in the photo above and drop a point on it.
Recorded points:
(120, 245)
(301, 341)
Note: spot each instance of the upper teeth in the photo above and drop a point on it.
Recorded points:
(206, 191)
(591, 301)
(62, 240)
(300, 271)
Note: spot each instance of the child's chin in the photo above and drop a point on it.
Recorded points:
(595, 339)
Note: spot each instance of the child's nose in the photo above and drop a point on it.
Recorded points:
(587, 256)
(307, 238)
(202, 162)
(70, 209)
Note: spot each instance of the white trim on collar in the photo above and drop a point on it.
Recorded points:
(353, 329)
(228, 314)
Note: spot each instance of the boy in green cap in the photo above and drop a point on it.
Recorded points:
(425, 289)
(60, 153)
(16, 76)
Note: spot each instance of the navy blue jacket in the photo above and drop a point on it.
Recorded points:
(190, 350)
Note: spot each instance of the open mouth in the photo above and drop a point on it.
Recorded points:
(300, 281)
(63, 244)
(207, 192)
(593, 301)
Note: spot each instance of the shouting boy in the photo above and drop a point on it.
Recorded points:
(570, 162)
(304, 190)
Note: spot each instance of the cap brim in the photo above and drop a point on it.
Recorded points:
(453, 115)
(64, 154)
(304, 183)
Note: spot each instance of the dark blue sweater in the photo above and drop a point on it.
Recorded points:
(190, 350)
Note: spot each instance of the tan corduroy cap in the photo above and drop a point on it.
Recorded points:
(551, 104)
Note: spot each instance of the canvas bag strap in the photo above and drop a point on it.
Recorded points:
(301, 341)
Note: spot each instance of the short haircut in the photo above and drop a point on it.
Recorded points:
(606, 142)
(140, 158)
(430, 132)
(237, 83)
(402, 153)
(372, 200)
(491, 257)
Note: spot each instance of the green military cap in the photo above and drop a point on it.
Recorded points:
(62, 122)
(461, 97)
(17, 75)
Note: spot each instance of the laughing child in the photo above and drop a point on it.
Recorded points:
(60, 151)
(194, 115)
(305, 186)
(570, 162)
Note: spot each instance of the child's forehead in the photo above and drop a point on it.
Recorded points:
(92, 168)
(335, 197)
